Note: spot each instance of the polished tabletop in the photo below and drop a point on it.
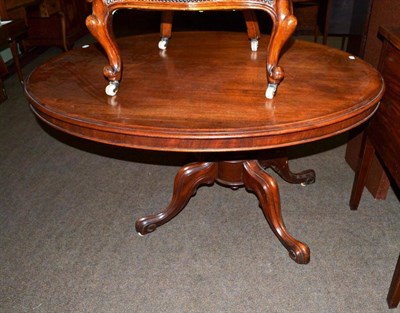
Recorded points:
(205, 93)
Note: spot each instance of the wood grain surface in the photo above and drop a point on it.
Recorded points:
(205, 93)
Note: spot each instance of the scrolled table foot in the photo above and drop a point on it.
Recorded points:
(266, 189)
(281, 167)
(309, 177)
(149, 223)
(300, 253)
(187, 180)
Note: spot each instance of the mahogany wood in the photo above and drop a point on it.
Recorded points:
(250, 174)
(266, 189)
(195, 97)
(377, 182)
(281, 167)
(50, 22)
(253, 30)
(393, 297)
(383, 134)
(203, 101)
(233, 174)
(11, 33)
(383, 12)
(99, 24)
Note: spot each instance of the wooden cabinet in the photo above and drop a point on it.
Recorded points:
(383, 133)
(346, 19)
(57, 22)
(50, 22)
(306, 12)
(383, 12)
(384, 128)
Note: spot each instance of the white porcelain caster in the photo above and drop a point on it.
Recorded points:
(270, 92)
(254, 45)
(162, 44)
(112, 88)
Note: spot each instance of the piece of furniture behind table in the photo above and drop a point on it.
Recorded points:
(383, 134)
(393, 297)
(383, 12)
(347, 19)
(308, 13)
(51, 22)
(57, 22)
(11, 34)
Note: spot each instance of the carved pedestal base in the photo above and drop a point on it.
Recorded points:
(234, 174)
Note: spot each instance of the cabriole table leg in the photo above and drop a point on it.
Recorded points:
(281, 167)
(266, 189)
(188, 179)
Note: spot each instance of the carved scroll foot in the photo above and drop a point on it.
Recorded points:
(281, 167)
(266, 189)
(188, 179)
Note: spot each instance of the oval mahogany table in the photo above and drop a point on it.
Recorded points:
(206, 94)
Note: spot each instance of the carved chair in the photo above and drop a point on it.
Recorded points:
(281, 11)
(253, 31)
